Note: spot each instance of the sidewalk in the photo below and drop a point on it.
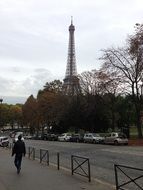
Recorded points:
(35, 176)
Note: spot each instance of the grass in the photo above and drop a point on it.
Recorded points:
(134, 132)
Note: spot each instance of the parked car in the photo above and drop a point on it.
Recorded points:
(93, 138)
(4, 141)
(28, 137)
(77, 138)
(49, 137)
(53, 137)
(37, 137)
(64, 137)
(116, 138)
(44, 136)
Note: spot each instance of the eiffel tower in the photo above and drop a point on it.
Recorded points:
(71, 82)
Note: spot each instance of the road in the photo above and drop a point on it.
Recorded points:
(102, 157)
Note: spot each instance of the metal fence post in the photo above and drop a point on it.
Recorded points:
(40, 155)
(33, 153)
(116, 177)
(28, 152)
(58, 160)
(47, 157)
(72, 163)
(89, 171)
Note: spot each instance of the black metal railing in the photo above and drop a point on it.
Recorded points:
(128, 180)
(44, 156)
(77, 166)
(58, 160)
(31, 152)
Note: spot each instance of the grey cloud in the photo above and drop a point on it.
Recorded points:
(36, 82)
(28, 86)
(15, 69)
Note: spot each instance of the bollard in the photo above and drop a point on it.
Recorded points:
(40, 155)
(47, 157)
(58, 161)
(72, 164)
(28, 152)
(33, 153)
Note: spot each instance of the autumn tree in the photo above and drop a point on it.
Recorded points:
(31, 114)
(52, 104)
(127, 62)
(4, 115)
(15, 115)
(89, 82)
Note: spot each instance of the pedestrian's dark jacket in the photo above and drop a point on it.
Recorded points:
(19, 148)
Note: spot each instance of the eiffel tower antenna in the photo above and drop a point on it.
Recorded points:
(71, 20)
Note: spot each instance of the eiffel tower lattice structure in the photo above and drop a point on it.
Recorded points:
(71, 84)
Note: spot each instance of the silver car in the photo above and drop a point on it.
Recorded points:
(116, 138)
(93, 138)
(64, 137)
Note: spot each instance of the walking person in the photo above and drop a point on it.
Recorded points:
(19, 150)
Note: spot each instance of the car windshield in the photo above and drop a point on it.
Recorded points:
(96, 135)
(121, 135)
(62, 135)
(76, 135)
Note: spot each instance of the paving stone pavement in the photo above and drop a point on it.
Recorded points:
(36, 176)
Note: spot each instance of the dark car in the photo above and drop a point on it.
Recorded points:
(52, 137)
(37, 137)
(44, 136)
(77, 138)
(49, 137)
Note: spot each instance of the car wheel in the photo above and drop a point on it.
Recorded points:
(116, 143)
(94, 141)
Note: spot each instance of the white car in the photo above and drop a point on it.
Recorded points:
(64, 137)
(116, 138)
(93, 138)
(4, 141)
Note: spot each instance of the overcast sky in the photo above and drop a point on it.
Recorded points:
(34, 38)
